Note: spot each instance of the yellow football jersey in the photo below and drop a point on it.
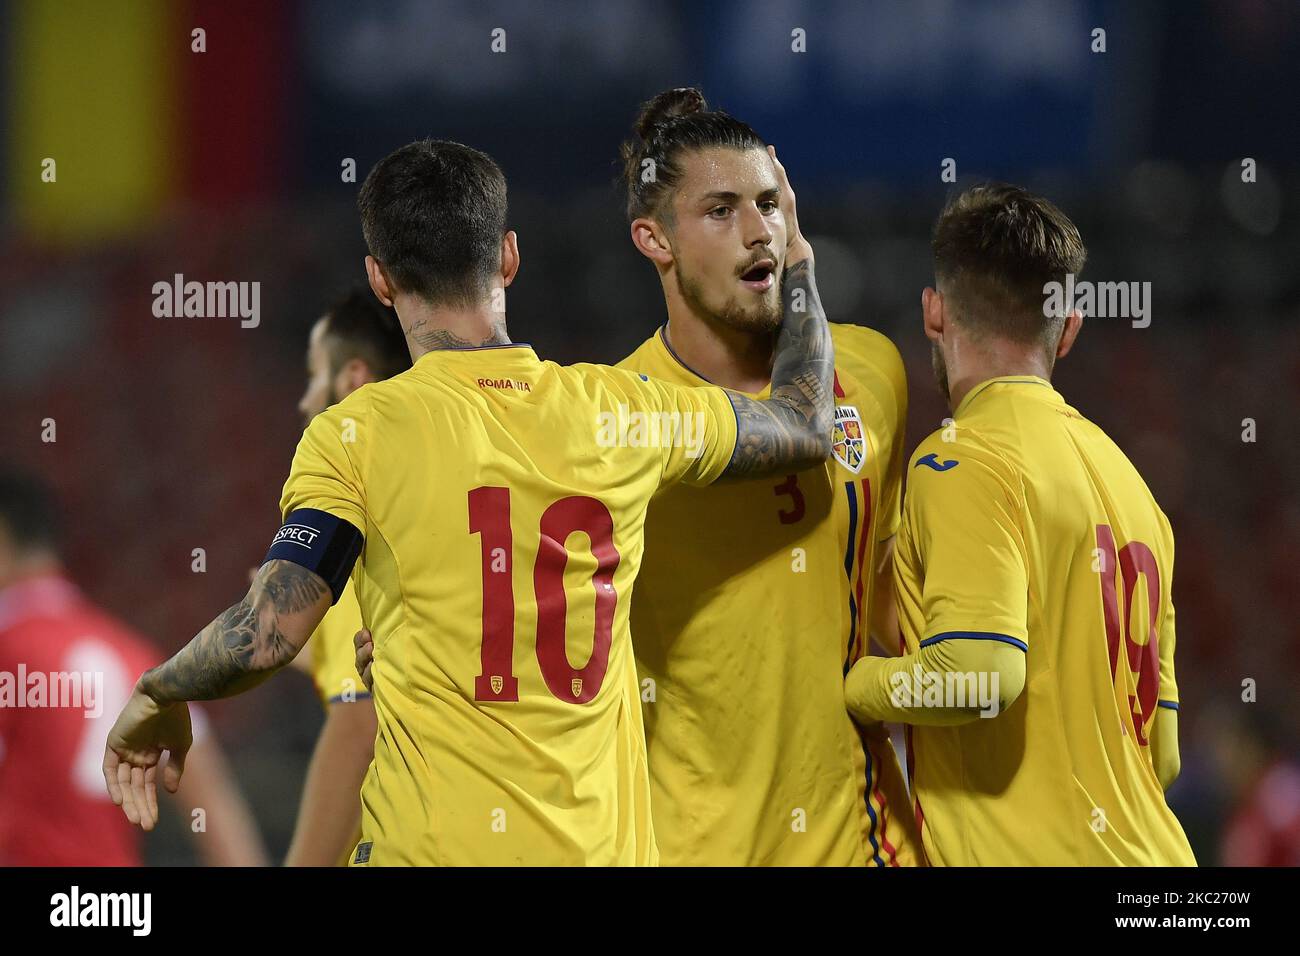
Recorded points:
(333, 655)
(1024, 523)
(751, 605)
(501, 500)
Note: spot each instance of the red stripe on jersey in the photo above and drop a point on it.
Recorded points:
(839, 392)
(883, 804)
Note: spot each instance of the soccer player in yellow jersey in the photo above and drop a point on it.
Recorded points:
(1033, 574)
(496, 503)
(358, 341)
(754, 600)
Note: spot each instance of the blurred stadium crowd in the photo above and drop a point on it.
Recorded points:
(175, 434)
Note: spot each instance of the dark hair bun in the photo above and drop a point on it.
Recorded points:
(665, 106)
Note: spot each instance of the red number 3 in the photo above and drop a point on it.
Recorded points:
(1134, 560)
(489, 516)
(790, 487)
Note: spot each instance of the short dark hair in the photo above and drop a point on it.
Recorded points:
(360, 326)
(674, 122)
(433, 214)
(995, 247)
(28, 511)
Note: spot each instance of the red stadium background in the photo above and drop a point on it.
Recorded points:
(229, 165)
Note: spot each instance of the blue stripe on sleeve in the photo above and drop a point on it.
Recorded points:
(359, 695)
(975, 636)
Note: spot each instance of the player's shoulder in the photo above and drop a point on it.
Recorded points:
(642, 358)
(864, 344)
(617, 377)
(872, 359)
(382, 394)
(959, 453)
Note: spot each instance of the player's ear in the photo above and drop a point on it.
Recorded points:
(932, 316)
(1073, 323)
(379, 283)
(651, 241)
(354, 373)
(509, 257)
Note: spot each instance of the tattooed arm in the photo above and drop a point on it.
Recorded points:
(248, 642)
(791, 430)
(240, 649)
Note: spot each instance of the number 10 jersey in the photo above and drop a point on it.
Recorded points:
(501, 499)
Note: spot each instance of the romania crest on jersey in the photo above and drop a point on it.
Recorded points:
(848, 444)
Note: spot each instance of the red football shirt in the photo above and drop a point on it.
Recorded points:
(66, 670)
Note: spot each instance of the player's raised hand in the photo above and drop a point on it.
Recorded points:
(142, 733)
(365, 646)
(797, 247)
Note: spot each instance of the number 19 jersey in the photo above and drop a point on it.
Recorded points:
(501, 499)
(1023, 523)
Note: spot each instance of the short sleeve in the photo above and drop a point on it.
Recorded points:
(1168, 683)
(966, 525)
(696, 426)
(325, 473)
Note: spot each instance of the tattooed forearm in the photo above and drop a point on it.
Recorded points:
(248, 642)
(792, 429)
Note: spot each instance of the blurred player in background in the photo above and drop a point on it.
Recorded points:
(66, 669)
(461, 484)
(1034, 575)
(1251, 754)
(754, 600)
(357, 342)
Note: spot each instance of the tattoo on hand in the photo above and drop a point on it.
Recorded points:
(792, 429)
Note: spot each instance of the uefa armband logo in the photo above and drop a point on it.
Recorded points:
(299, 534)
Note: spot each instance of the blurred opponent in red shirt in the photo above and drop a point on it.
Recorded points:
(1250, 747)
(66, 669)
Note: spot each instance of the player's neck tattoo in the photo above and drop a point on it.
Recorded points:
(427, 338)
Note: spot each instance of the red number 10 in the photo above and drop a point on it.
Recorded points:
(1133, 560)
(489, 516)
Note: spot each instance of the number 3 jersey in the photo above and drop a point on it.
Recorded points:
(753, 600)
(1023, 523)
(501, 501)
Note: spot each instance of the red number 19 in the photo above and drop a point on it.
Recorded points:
(1134, 560)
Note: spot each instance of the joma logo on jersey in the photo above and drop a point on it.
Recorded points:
(848, 444)
(297, 534)
(932, 461)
